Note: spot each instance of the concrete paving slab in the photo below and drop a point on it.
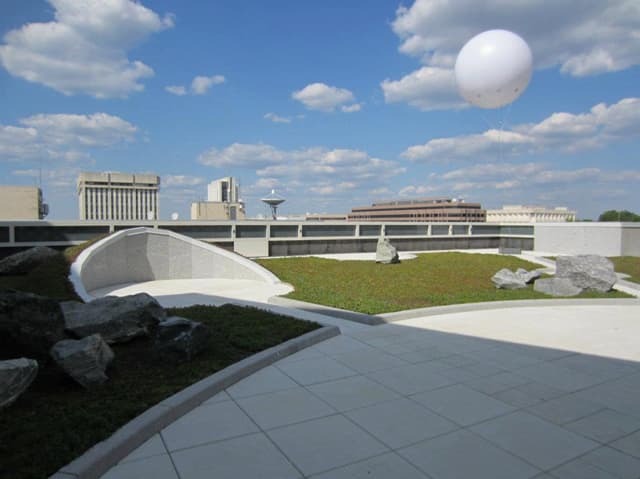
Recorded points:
(605, 426)
(353, 392)
(629, 444)
(284, 407)
(152, 447)
(326, 443)
(462, 405)
(266, 380)
(411, 379)
(384, 466)
(539, 442)
(158, 467)
(401, 422)
(602, 463)
(247, 456)
(208, 423)
(317, 370)
(561, 348)
(463, 454)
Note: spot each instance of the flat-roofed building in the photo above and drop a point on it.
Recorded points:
(217, 210)
(530, 214)
(223, 202)
(118, 196)
(225, 190)
(422, 209)
(22, 203)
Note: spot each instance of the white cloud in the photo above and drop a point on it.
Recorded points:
(176, 90)
(84, 50)
(583, 38)
(276, 118)
(562, 132)
(351, 108)
(319, 96)
(314, 169)
(429, 88)
(201, 84)
(181, 180)
(64, 137)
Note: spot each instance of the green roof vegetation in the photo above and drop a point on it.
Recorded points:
(433, 279)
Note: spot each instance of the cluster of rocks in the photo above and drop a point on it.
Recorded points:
(77, 336)
(574, 274)
(386, 253)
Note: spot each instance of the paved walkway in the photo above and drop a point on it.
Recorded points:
(548, 392)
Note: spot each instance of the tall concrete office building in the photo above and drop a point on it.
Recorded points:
(223, 202)
(22, 203)
(118, 196)
(225, 190)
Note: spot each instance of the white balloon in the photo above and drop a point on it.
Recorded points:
(493, 68)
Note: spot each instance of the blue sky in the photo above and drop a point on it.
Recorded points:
(334, 104)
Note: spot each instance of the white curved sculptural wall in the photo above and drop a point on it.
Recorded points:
(146, 254)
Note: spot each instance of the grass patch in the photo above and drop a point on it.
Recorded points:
(433, 279)
(49, 279)
(56, 420)
(629, 265)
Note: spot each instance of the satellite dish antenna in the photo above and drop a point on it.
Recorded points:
(273, 201)
(175, 216)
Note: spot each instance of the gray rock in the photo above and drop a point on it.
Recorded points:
(528, 276)
(507, 279)
(181, 338)
(85, 360)
(116, 319)
(25, 261)
(556, 287)
(590, 272)
(15, 377)
(30, 324)
(386, 253)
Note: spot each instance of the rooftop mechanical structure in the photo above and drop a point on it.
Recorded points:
(273, 201)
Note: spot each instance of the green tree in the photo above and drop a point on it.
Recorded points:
(615, 215)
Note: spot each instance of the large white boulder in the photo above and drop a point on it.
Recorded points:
(590, 272)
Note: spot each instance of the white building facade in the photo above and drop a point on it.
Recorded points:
(224, 190)
(118, 196)
(530, 214)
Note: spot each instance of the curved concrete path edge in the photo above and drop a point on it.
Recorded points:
(104, 455)
(384, 318)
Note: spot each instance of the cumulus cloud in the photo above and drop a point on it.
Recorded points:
(322, 97)
(316, 169)
(64, 137)
(181, 180)
(84, 49)
(351, 108)
(276, 118)
(199, 85)
(176, 90)
(584, 38)
(562, 132)
(429, 88)
(495, 184)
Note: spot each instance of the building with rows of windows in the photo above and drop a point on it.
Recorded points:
(118, 196)
(424, 209)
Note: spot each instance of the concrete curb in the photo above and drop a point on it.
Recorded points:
(362, 318)
(525, 303)
(104, 455)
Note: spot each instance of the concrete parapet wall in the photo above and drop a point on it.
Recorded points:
(146, 254)
(606, 239)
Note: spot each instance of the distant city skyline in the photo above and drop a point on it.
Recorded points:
(333, 104)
